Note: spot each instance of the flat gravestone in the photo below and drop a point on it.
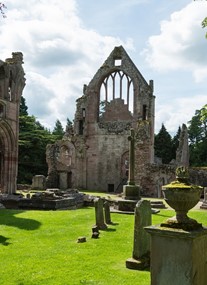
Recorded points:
(141, 246)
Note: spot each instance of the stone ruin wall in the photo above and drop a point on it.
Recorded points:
(12, 82)
(99, 143)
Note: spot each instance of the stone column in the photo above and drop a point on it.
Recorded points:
(141, 246)
(131, 191)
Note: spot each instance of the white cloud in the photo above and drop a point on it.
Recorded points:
(60, 54)
(181, 44)
(177, 112)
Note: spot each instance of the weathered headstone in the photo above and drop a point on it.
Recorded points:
(107, 212)
(38, 182)
(98, 203)
(95, 232)
(141, 247)
(204, 204)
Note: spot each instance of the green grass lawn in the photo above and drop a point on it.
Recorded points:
(39, 247)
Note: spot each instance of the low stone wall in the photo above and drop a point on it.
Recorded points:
(198, 176)
(52, 199)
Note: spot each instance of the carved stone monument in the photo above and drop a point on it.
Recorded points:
(182, 153)
(204, 204)
(98, 203)
(107, 212)
(131, 191)
(39, 182)
(141, 247)
(178, 246)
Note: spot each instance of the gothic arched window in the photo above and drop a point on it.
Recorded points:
(116, 85)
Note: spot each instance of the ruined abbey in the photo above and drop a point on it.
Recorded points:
(12, 82)
(95, 153)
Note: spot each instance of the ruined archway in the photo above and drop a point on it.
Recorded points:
(116, 92)
(8, 159)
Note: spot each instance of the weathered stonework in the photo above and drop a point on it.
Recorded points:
(12, 82)
(117, 99)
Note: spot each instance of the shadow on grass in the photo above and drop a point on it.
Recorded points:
(114, 224)
(8, 218)
(3, 241)
(167, 216)
(109, 230)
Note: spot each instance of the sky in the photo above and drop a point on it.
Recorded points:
(65, 42)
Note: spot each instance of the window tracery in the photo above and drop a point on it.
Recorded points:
(117, 85)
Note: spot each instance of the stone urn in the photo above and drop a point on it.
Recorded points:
(182, 196)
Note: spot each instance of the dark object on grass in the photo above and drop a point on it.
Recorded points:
(81, 239)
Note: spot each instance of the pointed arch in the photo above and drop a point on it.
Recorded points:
(8, 158)
(117, 89)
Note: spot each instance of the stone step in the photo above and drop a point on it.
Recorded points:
(157, 204)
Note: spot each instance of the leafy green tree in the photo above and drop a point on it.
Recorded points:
(163, 145)
(2, 8)
(69, 123)
(58, 130)
(23, 107)
(204, 24)
(175, 142)
(33, 139)
(197, 131)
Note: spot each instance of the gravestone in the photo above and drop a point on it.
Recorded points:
(99, 214)
(39, 182)
(141, 247)
(107, 212)
(95, 232)
(204, 204)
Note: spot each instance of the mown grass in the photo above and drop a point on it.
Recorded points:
(39, 247)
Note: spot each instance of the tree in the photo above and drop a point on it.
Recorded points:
(69, 123)
(23, 107)
(58, 130)
(163, 145)
(175, 142)
(33, 139)
(198, 126)
(204, 24)
(2, 8)
(197, 131)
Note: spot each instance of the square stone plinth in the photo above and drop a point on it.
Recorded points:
(178, 257)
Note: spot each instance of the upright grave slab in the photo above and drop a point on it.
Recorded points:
(204, 204)
(107, 213)
(99, 214)
(141, 246)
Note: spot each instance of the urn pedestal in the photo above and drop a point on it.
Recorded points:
(181, 197)
(178, 257)
(178, 245)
